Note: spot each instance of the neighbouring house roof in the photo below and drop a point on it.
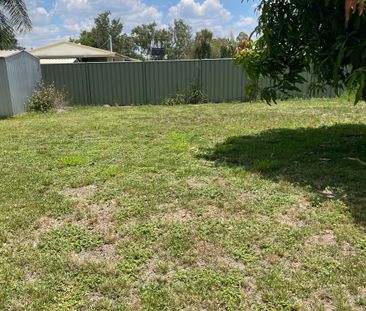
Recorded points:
(69, 50)
(58, 61)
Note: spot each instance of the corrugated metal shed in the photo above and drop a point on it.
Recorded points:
(20, 72)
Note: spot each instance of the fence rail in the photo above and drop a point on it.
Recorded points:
(135, 83)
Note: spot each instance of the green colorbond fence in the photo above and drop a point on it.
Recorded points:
(135, 83)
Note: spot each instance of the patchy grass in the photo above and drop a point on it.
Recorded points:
(210, 207)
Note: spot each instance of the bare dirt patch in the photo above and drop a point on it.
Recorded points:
(209, 254)
(105, 252)
(45, 224)
(231, 262)
(99, 216)
(289, 220)
(81, 193)
(325, 239)
(179, 215)
(194, 183)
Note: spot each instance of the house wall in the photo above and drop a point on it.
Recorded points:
(24, 73)
(6, 108)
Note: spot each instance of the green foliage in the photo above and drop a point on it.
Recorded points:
(8, 41)
(307, 36)
(227, 48)
(104, 27)
(178, 99)
(45, 98)
(13, 18)
(69, 238)
(163, 39)
(143, 37)
(251, 60)
(195, 95)
(223, 48)
(181, 40)
(202, 44)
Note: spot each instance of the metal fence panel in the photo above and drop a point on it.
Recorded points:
(134, 83)
(119, 83)
(73, 78)
(223, 81)
(167, 78)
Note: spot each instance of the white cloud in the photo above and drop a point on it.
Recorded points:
(246, 24)
(67, 17)
(42, 36)
(207, 14)
(79, 14)
(246, 21)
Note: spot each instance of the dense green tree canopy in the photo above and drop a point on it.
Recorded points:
(13, 18)
(8, 41)
(104, 27)
(181, 40)
(295, 36)
(175, 40)
(202, 44)
(143, 36)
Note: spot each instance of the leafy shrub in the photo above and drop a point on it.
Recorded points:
(45, 98)
(178, 99)
(195, 95)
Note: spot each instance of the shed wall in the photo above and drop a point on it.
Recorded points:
(6, 108)
(24, 73)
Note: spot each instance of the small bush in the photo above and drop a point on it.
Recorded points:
(178, 99)
(45, 98)
(195, 95)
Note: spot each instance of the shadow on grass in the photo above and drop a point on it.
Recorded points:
(329, 161)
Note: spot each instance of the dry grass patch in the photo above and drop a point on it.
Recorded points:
(178, 215)
(327, 238)
(289, 220)
(102, 254)
(195, 183)
(81, 193)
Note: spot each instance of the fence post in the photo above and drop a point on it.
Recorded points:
(145, 82)
(88, 83)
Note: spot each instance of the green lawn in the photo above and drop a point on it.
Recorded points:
(209, 207)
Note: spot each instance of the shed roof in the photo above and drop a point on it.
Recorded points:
(4, 54)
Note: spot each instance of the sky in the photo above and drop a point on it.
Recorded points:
(58, 20)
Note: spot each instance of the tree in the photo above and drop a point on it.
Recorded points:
(99, 35)
(227, 49)
(13, 18)
(143, 36)
(202, 44)
(181, 40)
(321, 37)
(242, 36)
(8, 41)
(103, 28)
(223, 48)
